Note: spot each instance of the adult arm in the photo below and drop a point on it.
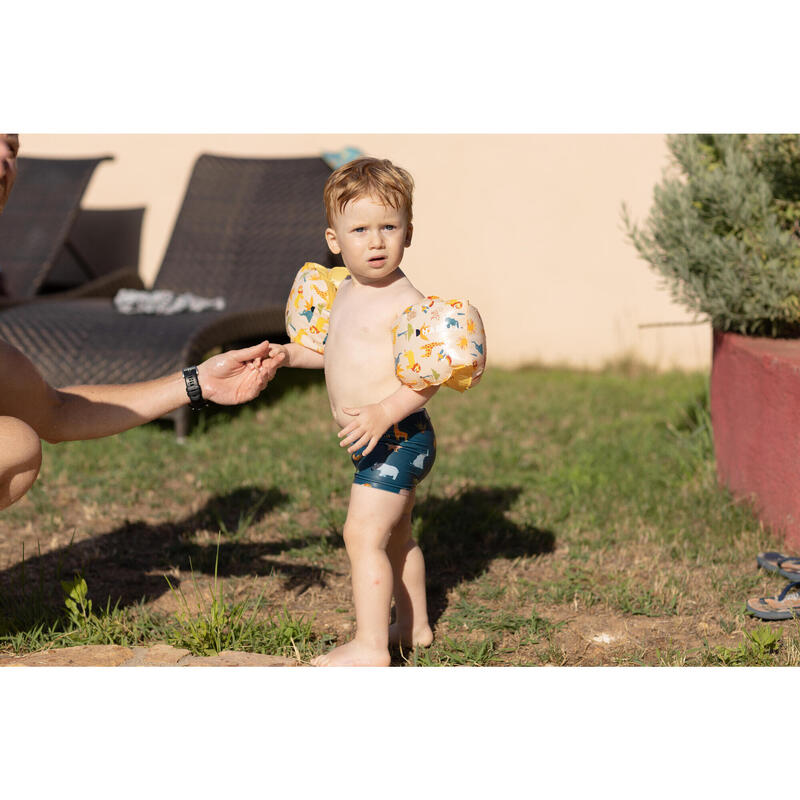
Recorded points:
(89, 412)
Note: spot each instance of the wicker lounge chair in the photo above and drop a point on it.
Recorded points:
(37, 233)
(245, 227)
(100, 256)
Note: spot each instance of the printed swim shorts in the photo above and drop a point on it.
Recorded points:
(402, 457)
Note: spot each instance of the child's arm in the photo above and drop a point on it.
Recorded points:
(372, 421)
(295, 355)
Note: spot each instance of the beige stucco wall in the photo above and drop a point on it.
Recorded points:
(527, 227)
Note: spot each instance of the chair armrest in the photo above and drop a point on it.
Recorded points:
(104, 286)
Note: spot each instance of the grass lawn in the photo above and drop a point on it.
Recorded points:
(571, 518)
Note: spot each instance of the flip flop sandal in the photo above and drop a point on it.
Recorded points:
(788, 566)
(785, 606)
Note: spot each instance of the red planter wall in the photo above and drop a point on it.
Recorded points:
(755, 414)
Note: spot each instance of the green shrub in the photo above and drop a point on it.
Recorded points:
(725, 232)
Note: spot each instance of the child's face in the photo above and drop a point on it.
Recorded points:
(371, 238)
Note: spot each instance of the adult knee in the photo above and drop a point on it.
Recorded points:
(20, 459)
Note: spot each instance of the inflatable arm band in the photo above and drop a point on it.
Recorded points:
(308, 308)
(439, 341)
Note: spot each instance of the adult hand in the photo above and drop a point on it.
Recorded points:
(370, 423)
(237, 376)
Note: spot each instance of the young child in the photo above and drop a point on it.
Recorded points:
(384, 425)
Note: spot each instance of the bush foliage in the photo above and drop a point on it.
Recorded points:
(725, 232)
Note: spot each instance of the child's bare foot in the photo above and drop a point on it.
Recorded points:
(354, 654)
(418, 637)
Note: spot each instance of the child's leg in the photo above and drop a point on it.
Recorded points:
(411, 625)
(371, 518)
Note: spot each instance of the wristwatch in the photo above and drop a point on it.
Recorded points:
(196, 400)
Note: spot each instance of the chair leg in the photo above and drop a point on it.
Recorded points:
(183, 423)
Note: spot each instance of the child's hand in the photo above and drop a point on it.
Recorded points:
(296, 355)
(278, 355)
(370, 423)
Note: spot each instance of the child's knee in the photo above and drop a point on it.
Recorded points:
(401, 543)
(351, 535)
(363, 535)
(20, 459)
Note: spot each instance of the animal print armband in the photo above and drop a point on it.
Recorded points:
(308, 308)
(439, 342)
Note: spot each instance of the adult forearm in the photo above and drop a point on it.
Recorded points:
(89, 412)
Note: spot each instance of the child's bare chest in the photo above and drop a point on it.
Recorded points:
(359, 319)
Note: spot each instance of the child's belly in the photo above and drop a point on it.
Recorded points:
(357, 374)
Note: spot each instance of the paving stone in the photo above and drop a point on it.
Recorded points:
(85, 655)
(159, 655)
(162, 655)
(229, 658)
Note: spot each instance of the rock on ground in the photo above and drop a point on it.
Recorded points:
(159, 655)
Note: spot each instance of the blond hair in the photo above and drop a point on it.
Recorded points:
(368, 177)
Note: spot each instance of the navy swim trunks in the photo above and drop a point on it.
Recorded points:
(402, 457)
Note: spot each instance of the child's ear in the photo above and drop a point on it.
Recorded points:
(409, 232)
(333, 245)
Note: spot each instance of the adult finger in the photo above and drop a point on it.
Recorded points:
(249, 353)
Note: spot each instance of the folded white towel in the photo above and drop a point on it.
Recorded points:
(135, 301)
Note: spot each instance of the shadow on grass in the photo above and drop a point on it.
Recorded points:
(459, 536)
(462, 535)
(127, 564)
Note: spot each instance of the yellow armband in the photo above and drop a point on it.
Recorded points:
(439, 342)
(308, 308)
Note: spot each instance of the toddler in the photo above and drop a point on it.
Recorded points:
(384, 425)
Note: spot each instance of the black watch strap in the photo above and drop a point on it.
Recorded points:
(196, 401)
